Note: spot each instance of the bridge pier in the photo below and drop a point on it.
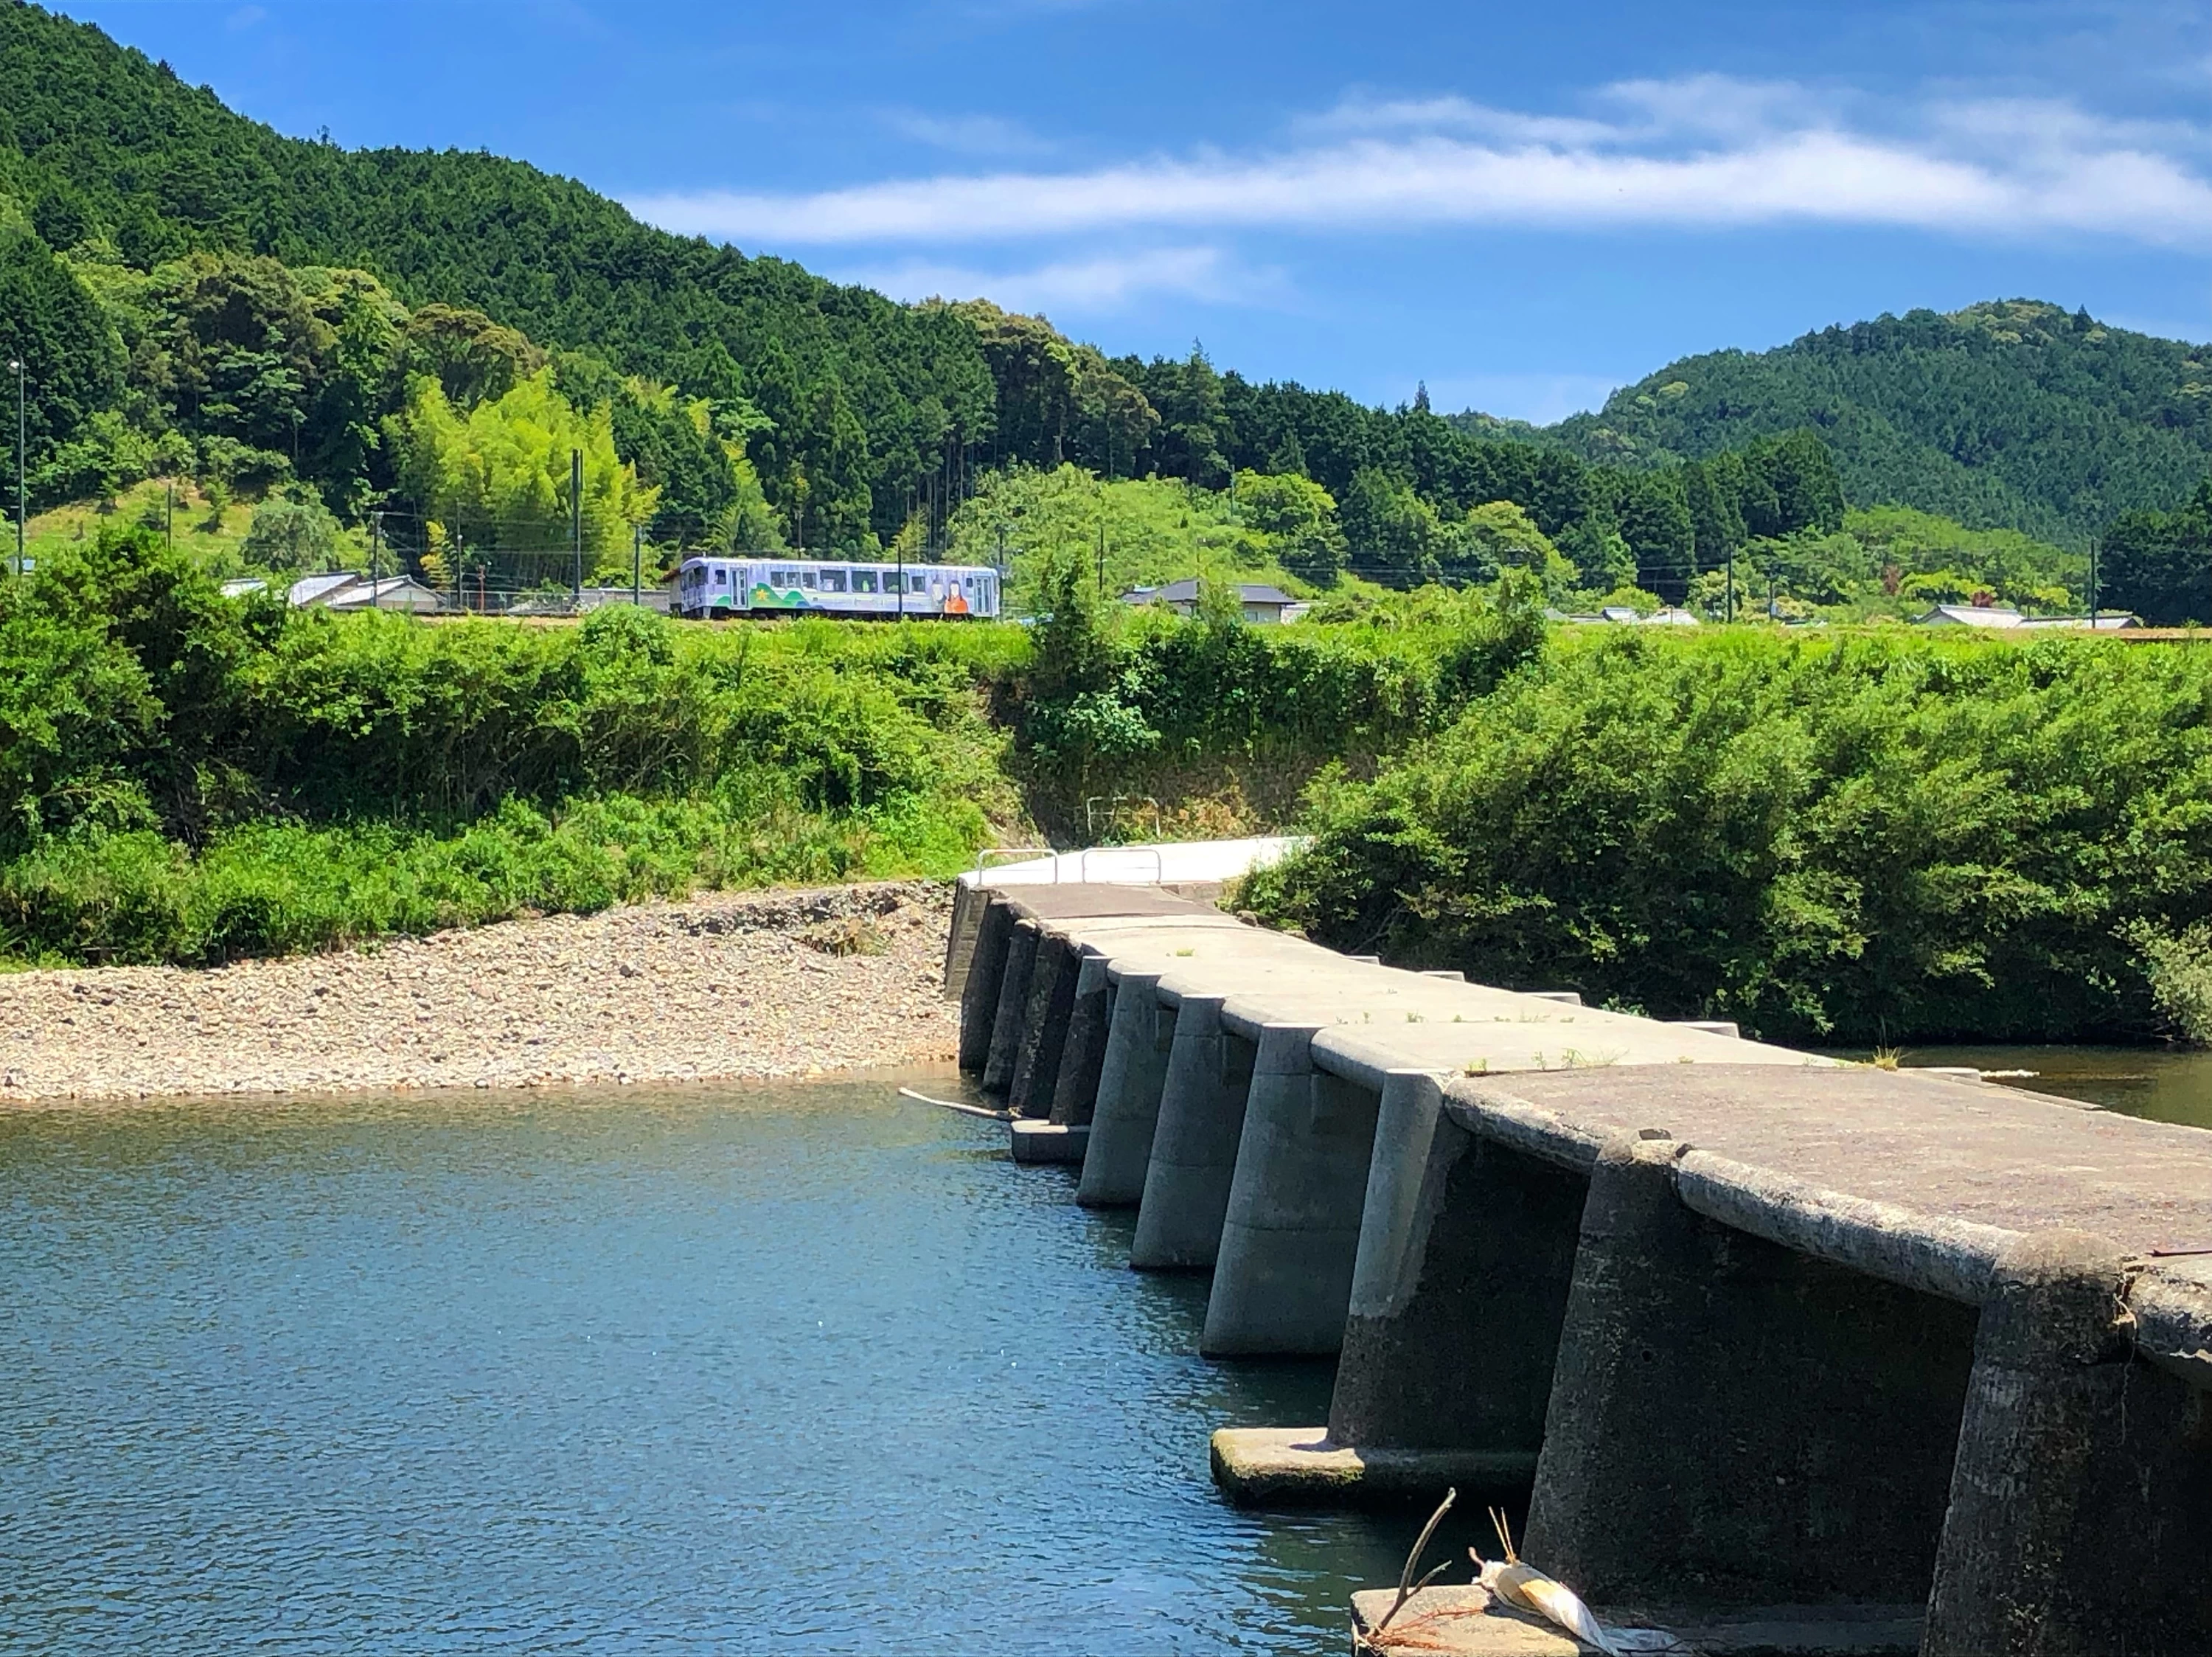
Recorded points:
(1082, 1054)
(1045, 1025)
(1465, 1252)
(2080, 1513)
(1735, 1423)
(979, 990)
(1013, 1006)
(1139, 1039)
(1292, 1230)
(1195, 1143)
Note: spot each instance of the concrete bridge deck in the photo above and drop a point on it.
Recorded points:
(1748, 1329)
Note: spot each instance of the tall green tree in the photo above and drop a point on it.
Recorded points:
(72, 358)
(1393, 534)
(2158, 564)
(498, 477)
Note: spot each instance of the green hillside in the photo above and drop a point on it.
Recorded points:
(2012, 414)
(402, 349)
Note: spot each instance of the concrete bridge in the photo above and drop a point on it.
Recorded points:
(1785, 1355)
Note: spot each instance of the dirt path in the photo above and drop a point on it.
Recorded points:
(752, 984)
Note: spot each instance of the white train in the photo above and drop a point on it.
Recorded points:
(769, 587)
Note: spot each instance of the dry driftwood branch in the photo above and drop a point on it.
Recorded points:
(1407, 1586)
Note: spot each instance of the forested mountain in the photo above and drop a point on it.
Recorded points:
(422, 340)
(2013, 413)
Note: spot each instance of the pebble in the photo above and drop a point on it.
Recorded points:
(730, 985)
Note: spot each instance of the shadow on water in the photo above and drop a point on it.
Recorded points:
(806, 1367)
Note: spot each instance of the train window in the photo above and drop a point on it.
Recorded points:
(917, 582)
(833, 580)
(783, 578)
(721, 578)
(864, 581)
(806, 579)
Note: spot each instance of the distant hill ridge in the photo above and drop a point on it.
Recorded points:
(2014, 413)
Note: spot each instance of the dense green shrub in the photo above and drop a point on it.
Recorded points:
(183, 778)
(1875, 836)
(1123, 702)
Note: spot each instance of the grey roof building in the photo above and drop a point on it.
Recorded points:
(1260, 601)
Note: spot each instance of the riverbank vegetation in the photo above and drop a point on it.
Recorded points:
(194, 778)
(1857, 835)
(1867, 837)
(188, 778)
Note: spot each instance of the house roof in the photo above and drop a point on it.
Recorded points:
(1186, 592)
(1970, 615)
(2106, 621)
(243, 586)
(1992, 615)
(363, 593)
(315, 589)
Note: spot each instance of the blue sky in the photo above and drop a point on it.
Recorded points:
(1522, 205)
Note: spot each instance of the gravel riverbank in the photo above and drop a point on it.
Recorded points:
(727, 986)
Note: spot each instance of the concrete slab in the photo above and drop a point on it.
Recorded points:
(1464, 1622)
(1455, 1622)
(1297, 1466)
(1372, 1019)
(1921, 1180)
(1042, 1142)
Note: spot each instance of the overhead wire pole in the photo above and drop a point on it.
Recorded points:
(23, 498)
(576, 517)
(637, 566)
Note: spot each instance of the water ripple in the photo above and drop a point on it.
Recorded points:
(805, 1369)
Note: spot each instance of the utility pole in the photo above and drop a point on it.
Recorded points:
(1731, 584)
(169, 517)
(2094, 545)
(22, 507)
(637, 565)
(375, 544)
(1102, 558)
(576, 517)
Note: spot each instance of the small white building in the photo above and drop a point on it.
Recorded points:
(1259, 601)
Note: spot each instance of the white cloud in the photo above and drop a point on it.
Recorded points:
(966, 135)
(1080, 286)
(1700, 152)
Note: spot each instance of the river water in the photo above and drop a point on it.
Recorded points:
(801, 1369)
